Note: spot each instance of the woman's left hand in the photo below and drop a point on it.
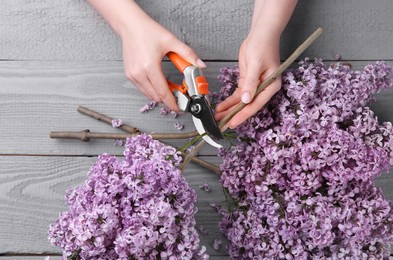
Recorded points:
(258, 58)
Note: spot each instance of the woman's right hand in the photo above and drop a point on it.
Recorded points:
(145, 42)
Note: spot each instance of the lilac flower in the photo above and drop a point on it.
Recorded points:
(302, 173)
(140, 207)
(178, 125)
(228, 77)
(164, 111)
(149, 106)
(190, 148)
(205, 186)
(202, 230)
(119, 142)
(216, 244)
(117, 122)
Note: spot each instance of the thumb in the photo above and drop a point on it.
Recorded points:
(250, 82)
(187, 53)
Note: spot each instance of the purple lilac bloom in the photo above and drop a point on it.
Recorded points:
(164, 111)
(228, 77)
(205, 186)
(117, 122)
(149, 106)
(302, 173)
(119, 142)
(217, 244)
(178, 125)
(190, 148)
(202, 230)
(137, 208)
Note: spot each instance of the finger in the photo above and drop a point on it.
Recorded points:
(220, 115)
(141, 89)
(146, 87)
(187, 53)
(161, 88)
(229, 101)
(259, 101)
(251, 81)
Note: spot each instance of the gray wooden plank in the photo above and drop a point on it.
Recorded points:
(38, 97)
(32, 194)
(72, 30)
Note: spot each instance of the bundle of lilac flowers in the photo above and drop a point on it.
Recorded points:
(137, 208)
(302, 174)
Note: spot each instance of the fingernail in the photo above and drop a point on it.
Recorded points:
(232, 126)
(200, 63)
(246, 97)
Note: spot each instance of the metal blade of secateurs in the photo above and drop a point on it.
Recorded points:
(209, 123)
(201, 109)
(199, 126)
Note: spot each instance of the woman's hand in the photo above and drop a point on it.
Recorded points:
(145, 43)
(258, 58)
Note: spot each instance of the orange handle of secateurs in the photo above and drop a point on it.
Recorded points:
(179, 62)
(173, 87)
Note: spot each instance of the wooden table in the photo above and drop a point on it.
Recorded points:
(56, 55)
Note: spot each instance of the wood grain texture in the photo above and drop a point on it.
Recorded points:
(72, 30)
(32, 194)
(39, 97)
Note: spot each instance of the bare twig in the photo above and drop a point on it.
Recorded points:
(191, 155)
(106, 119)
(127, 128)
(205, 164)
(223, 123)
(85, 135)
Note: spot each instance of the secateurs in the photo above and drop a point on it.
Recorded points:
(191, 97)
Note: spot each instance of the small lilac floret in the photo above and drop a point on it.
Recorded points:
(178, 125)
(117, 122)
